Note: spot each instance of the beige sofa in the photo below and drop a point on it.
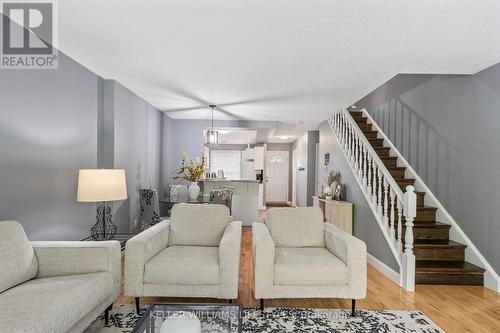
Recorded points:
(194, 254)
(54, 286)
(297, 255)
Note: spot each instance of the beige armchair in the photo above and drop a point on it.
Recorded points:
(297, 255)
(194, 254)
(55, 286)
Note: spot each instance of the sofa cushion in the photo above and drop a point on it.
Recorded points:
(308, 267)
(53, 304)
(198, 225)
(296, 227)
(17, 259)
(194, 265)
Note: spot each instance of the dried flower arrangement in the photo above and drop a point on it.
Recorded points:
(331, 177)
(190, 170)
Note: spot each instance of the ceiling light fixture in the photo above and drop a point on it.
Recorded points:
(212, 136)
(284, 137)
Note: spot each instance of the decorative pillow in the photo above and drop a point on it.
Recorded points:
(17, 259)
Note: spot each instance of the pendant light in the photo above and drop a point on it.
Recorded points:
(212, 136)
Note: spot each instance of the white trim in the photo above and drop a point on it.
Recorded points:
(383, 268)
(472, 254)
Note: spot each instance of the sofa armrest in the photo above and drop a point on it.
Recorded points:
(61, 258)
(229, 261)
(352, 252)
(139, 250)
(263, 260)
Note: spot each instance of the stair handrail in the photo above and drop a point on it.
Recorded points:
(365, 163)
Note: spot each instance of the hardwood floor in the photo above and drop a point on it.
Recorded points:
(453, 308)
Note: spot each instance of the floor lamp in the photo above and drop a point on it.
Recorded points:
(102, 186)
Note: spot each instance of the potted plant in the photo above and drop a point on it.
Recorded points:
(191, 171)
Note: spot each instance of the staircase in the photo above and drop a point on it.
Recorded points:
(438, 260)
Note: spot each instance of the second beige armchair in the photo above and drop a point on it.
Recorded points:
(194, 254)
(297, 255)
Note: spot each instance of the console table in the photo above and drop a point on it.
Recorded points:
(338, 213)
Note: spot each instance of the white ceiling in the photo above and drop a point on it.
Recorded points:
(292, 61)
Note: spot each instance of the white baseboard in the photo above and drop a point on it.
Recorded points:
(384, 269)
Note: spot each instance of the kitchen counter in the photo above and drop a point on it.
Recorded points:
(246, 197)
(230, 180)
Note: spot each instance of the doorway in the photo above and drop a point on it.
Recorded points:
(277, 176)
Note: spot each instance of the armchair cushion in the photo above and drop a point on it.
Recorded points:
(296, 227)
(198, 225)
(17, 259)
(191, 265)
(53, 304)
(308, 267)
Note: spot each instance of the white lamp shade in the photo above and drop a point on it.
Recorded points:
(98, 185)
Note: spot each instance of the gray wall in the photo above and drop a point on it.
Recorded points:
(306, 158)
(448, 128)
(137, 149)
(365, 226)
(48, 130)
(300, 145)
(55, 122)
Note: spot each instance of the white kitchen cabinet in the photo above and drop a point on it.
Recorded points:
(258, 163)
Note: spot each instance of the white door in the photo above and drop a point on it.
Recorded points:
(277, 176)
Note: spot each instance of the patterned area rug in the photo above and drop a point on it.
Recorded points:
(283, 320)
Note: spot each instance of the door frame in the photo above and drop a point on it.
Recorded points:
(287, 163)
(294, 177)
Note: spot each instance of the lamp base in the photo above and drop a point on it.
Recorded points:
(104, 229)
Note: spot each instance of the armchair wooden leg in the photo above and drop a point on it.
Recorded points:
(137, 306)
(106, 314)
(353, 308)
(230, 301)
(261, 304)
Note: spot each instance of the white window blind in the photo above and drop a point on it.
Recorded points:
(227, 160)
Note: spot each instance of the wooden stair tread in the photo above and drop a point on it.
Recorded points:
(437, 266)
(433, 225)
(433, 243)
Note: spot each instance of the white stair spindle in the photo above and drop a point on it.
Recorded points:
(391, 216)
(351, 144)
(365, 157)
(408, 258)
(386, 205)
(369, 178)
(400, 226)
(379, 197)
(374, 186)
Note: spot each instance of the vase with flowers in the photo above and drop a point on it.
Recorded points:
(191, 171)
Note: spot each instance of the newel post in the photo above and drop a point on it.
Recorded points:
(408, 258)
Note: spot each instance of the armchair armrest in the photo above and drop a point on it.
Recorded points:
(68, 258)
(139, 250)
(263, 260)
(229, 261)
(352, 252)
